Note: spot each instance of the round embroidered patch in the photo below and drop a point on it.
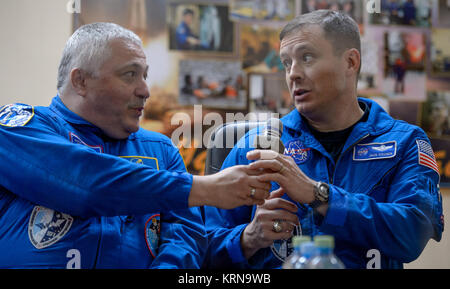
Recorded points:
(297, 151)
(152, 232)
(13, 115)
(283, 248)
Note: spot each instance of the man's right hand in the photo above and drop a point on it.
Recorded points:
(259, 233)
(229, 189)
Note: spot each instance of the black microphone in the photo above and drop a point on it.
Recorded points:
(270, 139)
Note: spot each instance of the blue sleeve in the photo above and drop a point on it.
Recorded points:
(45, 168)
(181, 33)
(225, 227)
(401, 226)
(183, 238)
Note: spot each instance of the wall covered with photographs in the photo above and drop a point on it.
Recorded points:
(223, 55)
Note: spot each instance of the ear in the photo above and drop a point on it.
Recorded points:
(78, 79)
(353, 60)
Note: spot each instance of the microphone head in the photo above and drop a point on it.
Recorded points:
(274, 127)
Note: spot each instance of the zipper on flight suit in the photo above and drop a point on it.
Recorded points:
(342, 153)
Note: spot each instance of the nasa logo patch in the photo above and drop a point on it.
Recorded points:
(47, 226)
(14, 115)
(152, 232)
(297, 151)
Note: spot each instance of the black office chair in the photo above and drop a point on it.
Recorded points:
(223, 140)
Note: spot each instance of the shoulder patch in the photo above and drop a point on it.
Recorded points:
(426, 155)
(282, 249)
(14, 115)
(47, 226)
(152, 233)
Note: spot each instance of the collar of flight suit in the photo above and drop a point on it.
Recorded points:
(378, 123)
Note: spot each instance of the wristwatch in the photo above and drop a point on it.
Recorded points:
(321, 194)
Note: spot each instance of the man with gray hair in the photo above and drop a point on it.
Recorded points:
(82, 186)
(349, 169)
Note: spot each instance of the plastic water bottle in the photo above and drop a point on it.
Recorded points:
(297, 241)
(308, 251)
(325, 258)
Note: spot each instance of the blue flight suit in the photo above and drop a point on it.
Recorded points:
(182, 33)
(384, 195)
(72, 197)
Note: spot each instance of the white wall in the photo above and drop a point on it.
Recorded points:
(33, 34)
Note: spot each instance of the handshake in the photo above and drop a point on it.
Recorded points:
(238, 185)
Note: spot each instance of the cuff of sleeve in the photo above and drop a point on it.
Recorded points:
(337, 208)
(180, 193)
(233, 245)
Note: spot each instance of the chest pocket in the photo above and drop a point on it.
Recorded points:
(371, 177)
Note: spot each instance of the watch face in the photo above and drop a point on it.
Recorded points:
(323, 192)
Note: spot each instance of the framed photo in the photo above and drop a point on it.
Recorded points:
(212, 83)
(440, 52)
(259, 49)
(441, 17)
(436, 114)
(268, 93)
(263, 10)
(354, 8)
(414, 13)
(200, 27)
(404, 69)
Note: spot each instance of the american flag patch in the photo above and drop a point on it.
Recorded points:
(426, 155)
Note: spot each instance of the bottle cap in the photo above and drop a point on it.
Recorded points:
(324, 241)
(298, 240)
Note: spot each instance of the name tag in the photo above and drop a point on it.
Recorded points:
(375, 151)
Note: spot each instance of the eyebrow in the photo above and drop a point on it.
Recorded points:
(299, 48)
(134, 65)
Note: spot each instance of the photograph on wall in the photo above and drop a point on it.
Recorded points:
(404, 69)
(212, 83)
(440, 52)
(268, 93)
(367, 79)
(354, 8)
(414, 13)
(200, 27)
(259, 49)
(436, 114)
(263, 10)
(441, 18)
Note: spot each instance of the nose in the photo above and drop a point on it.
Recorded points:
(296, 72)
(142, 90)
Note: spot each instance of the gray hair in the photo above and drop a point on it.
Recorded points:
(88, 48)
(339, 28)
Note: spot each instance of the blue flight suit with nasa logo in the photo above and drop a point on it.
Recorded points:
(384, 196)
(70, 197)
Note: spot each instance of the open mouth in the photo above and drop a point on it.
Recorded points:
(300, 92)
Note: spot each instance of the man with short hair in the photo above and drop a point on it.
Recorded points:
(185, 38)
(82, 186)
(349, 170)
